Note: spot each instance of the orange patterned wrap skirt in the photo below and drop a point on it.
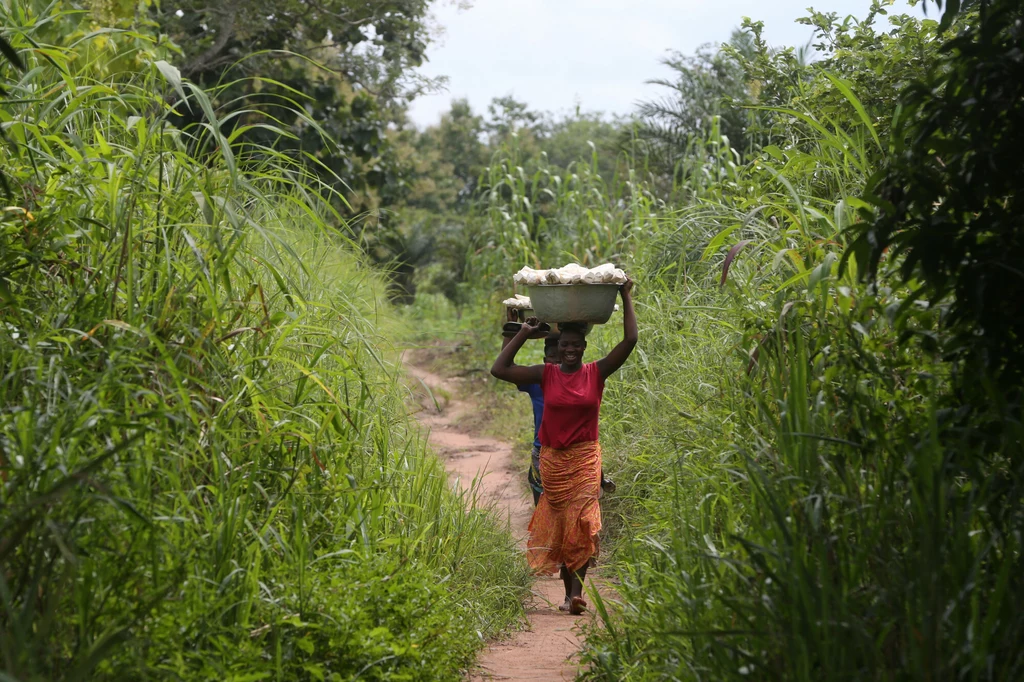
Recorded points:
(565, 524)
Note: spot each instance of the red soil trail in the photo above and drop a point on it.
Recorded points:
(546, 650)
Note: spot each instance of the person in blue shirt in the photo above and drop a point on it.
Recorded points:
(537, 398)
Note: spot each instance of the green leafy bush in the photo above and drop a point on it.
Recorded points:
(208, 471)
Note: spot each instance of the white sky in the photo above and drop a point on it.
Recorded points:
(555, 54)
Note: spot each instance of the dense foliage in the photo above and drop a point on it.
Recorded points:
(949, 210)
(346, 69)
(207, 470)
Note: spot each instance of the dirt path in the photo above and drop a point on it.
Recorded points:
(544, 651)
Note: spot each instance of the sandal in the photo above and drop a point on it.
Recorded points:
(577, 606)
(565, 606)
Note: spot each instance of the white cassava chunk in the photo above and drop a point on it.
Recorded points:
(571, 274)
(519, 302)
(527, 276)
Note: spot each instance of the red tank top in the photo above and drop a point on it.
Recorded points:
(572, 405)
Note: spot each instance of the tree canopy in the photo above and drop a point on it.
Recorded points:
(346, 66)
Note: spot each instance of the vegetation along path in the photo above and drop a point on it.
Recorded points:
(546, 649)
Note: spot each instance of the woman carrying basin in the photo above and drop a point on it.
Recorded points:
(566, 522)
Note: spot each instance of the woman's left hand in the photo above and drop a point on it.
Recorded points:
(626, 288)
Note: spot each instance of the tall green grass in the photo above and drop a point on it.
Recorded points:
(208, 469)
(791, 505)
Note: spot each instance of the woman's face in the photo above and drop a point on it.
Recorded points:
(551, 354)
(570, 348)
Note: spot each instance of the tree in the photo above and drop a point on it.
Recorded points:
(949, 207)
(584, 137)
(509, 116)
(877, 63)
(707, 90)
(373, 43)
(335, 73)
(449, 159)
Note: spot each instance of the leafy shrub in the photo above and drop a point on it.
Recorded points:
(207, 467)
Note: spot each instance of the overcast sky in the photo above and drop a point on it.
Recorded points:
(553, 54)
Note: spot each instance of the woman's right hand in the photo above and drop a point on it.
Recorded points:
(530, 326)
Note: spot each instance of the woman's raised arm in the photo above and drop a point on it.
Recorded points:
(506, 369)
(609, 364)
